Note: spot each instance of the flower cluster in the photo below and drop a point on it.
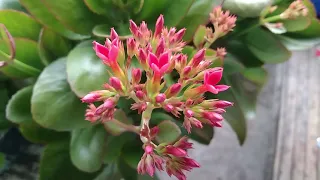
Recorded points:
(296, 9)
(158, 55)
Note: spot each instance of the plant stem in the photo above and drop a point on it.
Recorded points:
(146, 115)
(131, 128)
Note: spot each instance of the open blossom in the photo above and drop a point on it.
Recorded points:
(158, 54)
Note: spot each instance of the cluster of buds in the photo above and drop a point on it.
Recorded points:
(158, 54)
(223, 22)
(295, 9)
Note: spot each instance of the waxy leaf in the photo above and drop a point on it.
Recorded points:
(127, 172)
(295, 44)
(86, 72)
(270, 51)
(174, 17)
(56, 164)
(87, 148)
(99, 6)
(73, 14)
(52, 46)
(202, 135)
(199, 36)
(38, 10)
(2, 160)
(298, 24)
(115, 129)
(152, 9)
(312, 30)
(257, 75)
(4, 96)
(197, 14)
(8, 39)
(168, 132)
(11, 4)
(109, 172)
(26, 53)
(20, 24)
(53, 104)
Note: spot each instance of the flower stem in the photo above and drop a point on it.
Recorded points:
(146, 115)
(131, 128)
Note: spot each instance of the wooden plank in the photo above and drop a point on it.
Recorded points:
(296, 153)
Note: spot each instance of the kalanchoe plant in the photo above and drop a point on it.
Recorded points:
(158, 55)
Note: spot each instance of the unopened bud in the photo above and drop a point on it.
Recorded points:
(198, 57)
(178, 36)
(160, 98)
(134, 28)
(159, 26)
(140, 95)
(131, 47)
(160, 47)
(136, 75)
(173, 90)
(115, 83)
(113, 34)
(186, 71)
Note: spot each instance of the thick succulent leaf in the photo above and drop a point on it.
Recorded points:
(197, 14)
(109, 172)
(26, 53)
(246, 8)
(312, 31)
(103, 30)
(18, 109)
(297, 24)
(257, 75)
(132, 152)
(53, 104)
(295, 44)
(99, 6)
(127, 172)
(152, 9)
(270, 51)
(113, 128)
(174, 17)
(11, 4)
(8, 40)
(20, 24)
(203, 135)
(87, 148)
(42, 14)
(115, 145)
(56, 164)
(73, 14)
(4, 96)
(199, 36)
(52, 46)
(2, 160)
(168, 132)
(85, 71)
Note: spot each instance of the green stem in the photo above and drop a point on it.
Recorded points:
(22, 66)
(146, 116)
(131, 128)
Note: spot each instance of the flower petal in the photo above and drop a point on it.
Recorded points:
(153, 60)
(221, 88)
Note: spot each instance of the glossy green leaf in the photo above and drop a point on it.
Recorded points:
(199, 36)
(18, 109)
(132, 152)
(174, 17)
(2, 160)
(52, 46)
(189, 50)
(73, 14)
(8, 40)
(4, 96)
(246, 8)
(312, 31)
(115, 145)
(103, 30)
(53, 104)
(113, 128)
(270, 51)
(127, 172)
(295, 44)
(257, 75)
(232, 65)
(197, 14)
(33, 132)
(99, 6)
(168, 132)
(109, 172)
(42, 14)
(87, 148)
(85, 71)
(152, 9)
(298, 24)
(26, 53)
(11, 4)
(203, 135)
(56, 164)
(20, 24)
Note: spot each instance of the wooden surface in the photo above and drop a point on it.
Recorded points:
(281, 142)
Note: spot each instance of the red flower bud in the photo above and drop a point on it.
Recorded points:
(178, 152)
(173, 90)
(113, 34)
(159, 26)
(160, 98)
(136, 75)
(115, 83)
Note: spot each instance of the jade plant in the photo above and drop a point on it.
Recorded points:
(109, 99)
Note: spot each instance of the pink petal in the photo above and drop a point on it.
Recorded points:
(164, 69)
(113, 54)
(164, 59)
(212, 89)
(153, 60)
(155, 68)
(100, 49)
(113, 34)
(221, 88)
(214, 77)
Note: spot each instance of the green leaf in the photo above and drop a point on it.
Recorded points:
(85, 71)
(99, 6)
(26, 53)
(11, 4)
(20, 24)
(174, 17)
(115, 145)
(38, 10)
(312, 31)
(87, 148)
(197, 14)
(270, 51)
(2, 160)
(168, 132)
(295, 44)
(113, 128)
(189, 50)
(132, 152)
(33, 132)
(18, 108)
(109, 172)
(203, 135)
(298, 24)
(232, 65)
(147, 177)
(199, 36)
(126, 171)
(246, 8)
(152, 9)
(8, 39)
(53, 104)
(4, 96)
(257, 75)
(56, 164)
(52, 46)
(103, 30)
(73, 14)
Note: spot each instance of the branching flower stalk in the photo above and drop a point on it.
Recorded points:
(158, 54)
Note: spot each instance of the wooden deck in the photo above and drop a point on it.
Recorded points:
(281, 142)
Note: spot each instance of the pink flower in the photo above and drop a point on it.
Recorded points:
(136, 75)
(160, 98)
(183, 143)
(107, 55)
(116, 83)
(211, 79)
(159, 65)
(175, 151)
(159, 26)
(149, 162)
(198, 57)
(173, 90)
(318, 52)
(90, 113)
